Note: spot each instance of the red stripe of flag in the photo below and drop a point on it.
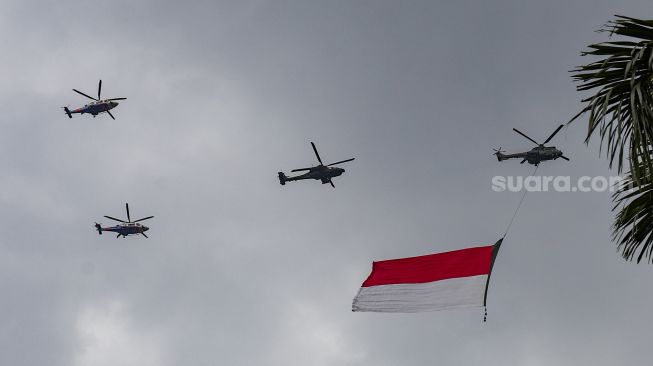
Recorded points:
(433, 267)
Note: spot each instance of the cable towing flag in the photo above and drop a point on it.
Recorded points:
(449, 280)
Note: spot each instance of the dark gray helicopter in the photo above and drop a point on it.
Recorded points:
(125, 228)
(537, 154)
(321, 172)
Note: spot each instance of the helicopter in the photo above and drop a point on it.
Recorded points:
(97, 106)
(537, 154)
(128, 227)
(320, 172)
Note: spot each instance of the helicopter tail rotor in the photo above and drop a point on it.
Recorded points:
(499, 153)
(282, 178)
(68, 112)
(98, 227)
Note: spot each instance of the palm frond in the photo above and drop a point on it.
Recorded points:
(621, 109)
(633, 226)
(621, 113)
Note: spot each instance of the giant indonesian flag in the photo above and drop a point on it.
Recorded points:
(431, 282)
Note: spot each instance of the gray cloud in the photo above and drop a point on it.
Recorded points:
(239, 270)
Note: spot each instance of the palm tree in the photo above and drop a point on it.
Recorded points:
(621, 113)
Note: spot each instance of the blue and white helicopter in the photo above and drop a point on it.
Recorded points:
(97, 106)
(128, 227)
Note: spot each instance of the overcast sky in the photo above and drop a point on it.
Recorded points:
(239, 270)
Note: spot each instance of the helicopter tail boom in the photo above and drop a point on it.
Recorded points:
(501, 156)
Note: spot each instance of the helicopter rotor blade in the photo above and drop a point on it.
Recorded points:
(564, 157)
(127, 207)
(145, 235)
(330, 181)
(553, 134)
(300, 170)
(316, 154)
(87, 96)
(342, 161)
(112, 117)
(523, 134)
(116, 99)
(99, 90)
(144, 218)
(113, 218)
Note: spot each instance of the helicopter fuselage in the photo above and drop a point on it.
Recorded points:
(95, 108)
(125, 229)
(320, 172)
(534, 156)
